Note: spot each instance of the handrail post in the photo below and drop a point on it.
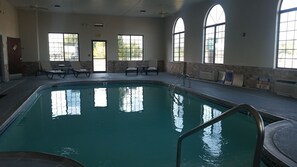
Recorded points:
(248, 108)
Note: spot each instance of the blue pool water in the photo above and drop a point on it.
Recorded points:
(129, 125)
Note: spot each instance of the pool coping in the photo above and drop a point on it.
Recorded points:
(35, 159)
(268, 116)
(273, 155)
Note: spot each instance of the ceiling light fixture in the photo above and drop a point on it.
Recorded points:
(163, 14)
(98, 25)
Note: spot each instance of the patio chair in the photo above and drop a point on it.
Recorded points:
(153, 67)
(49, 71)
(132, 67)
(77, 69)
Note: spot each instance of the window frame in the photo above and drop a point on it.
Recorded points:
(215, 26)
(130, 56)
(278, 35)
(63, 33)
(179, 42)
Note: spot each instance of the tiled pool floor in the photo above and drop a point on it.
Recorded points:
(16, 92)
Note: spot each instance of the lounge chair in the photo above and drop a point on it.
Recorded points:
(153, 67)
(77, 69)
(50, 72)
(132, 67)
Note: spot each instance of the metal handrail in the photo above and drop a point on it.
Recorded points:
(172, 86)
(245, 107)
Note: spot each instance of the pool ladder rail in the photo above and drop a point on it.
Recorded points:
(242, 107)
(179, 78)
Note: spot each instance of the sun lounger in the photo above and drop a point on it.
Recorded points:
(50, 72)
(77, 69)
(132, 67)
(153, 67)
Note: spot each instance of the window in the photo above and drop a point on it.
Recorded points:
(214, 37)
(212, 135)
(63, 47)
(130, 47)
(65, 102)
(100, 97)
(131, 99)
(179, 40)
(178, 112)
(287, 35)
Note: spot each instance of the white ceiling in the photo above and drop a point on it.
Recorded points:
(153, 8)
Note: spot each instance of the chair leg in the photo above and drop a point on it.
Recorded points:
(62, 75)
(75, 74)
(50, 75)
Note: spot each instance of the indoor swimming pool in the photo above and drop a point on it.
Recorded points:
(128, 124)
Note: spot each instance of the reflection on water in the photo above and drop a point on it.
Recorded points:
(100, 97)
(109, 134)
(178, 112)
(212, 137)
(65, 102)
(131, 99)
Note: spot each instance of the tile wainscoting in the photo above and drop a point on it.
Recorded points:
(251, 74)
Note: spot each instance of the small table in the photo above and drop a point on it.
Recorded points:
(143, 69)
(63, 67)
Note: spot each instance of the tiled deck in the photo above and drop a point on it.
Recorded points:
(16, 92)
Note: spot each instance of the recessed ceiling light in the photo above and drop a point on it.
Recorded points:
(98, 25)
(57, 6)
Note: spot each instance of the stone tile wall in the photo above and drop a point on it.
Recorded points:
(30, 68)
(120, 66)
(251, 74)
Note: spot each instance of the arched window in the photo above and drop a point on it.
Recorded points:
(178, 40)
(287, 35)
(214, 37)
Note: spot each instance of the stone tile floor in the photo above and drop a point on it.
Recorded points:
(17, 91)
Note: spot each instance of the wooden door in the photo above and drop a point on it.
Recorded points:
(14, 55)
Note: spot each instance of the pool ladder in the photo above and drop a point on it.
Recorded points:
(180, 78)
(242, 107)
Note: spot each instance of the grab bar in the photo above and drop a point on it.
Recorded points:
(172, 86)
(249, 109)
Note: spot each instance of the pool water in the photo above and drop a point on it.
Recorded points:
(130, 125)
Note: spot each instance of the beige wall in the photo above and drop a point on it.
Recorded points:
(151, 28)
(255, 18)
(8, 28)
(8, 20)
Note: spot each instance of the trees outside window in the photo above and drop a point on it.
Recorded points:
(63, 47)
(179, 40)
(130, 47)
(287, 35)
(214, 36)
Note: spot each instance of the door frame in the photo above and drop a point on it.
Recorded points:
(105, 41)
(14, 54)
(1, 60)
